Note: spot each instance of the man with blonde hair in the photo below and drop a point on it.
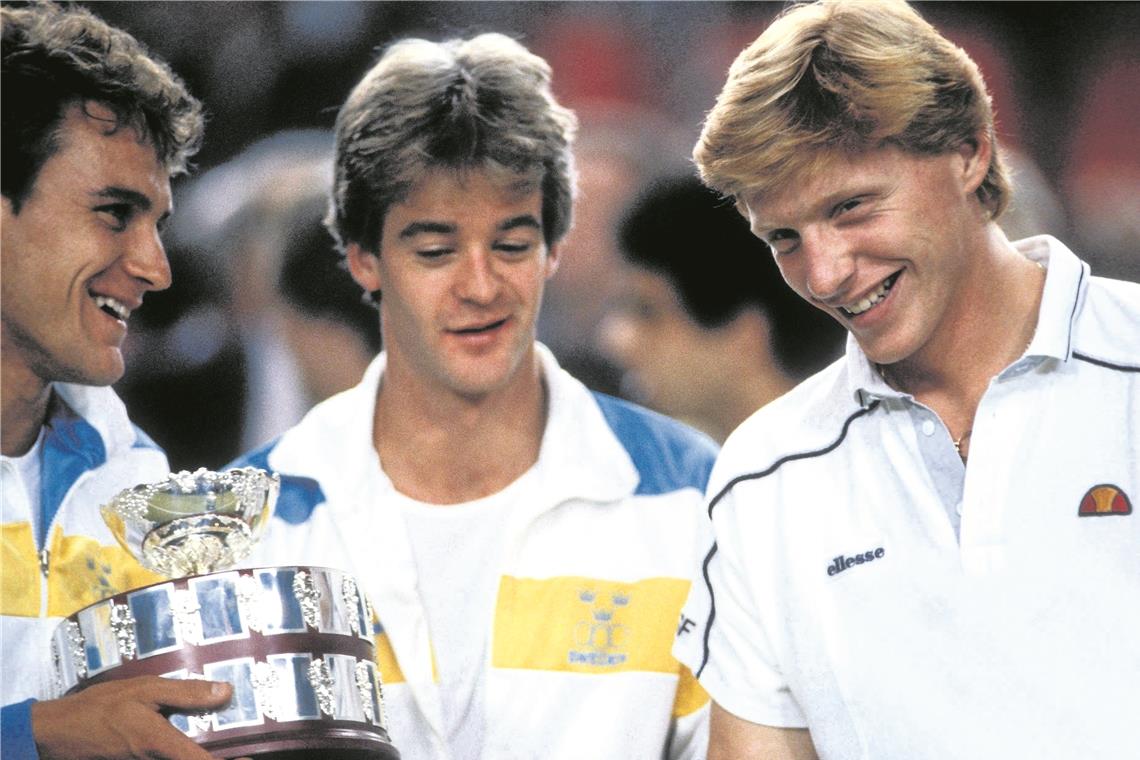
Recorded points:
(526, 543)
(929, 548)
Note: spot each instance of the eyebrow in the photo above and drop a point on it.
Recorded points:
(139, 200)
(426, 228)
(522, 220)
(125, 195)
(831, 200)
(446, 228)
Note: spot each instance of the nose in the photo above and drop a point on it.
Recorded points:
(478, 281)
(146, 261)
(829, 264)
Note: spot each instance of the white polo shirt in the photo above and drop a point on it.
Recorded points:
(838, 595)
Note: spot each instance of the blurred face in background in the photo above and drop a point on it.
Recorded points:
(670, 362)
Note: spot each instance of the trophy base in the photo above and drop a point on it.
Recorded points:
(327, 745)
(295, 643)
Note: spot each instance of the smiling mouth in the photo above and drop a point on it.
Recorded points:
(112, 307)
(481, 329)
(872, 299)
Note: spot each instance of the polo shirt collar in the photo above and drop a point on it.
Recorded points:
(1066, 280)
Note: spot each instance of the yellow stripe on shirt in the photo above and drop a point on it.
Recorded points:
(389, 669)
(691, 696)
(19, 571)
(587, 625)
(83, 571)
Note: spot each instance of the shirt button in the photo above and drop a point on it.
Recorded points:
(927, 428)
(958, 508)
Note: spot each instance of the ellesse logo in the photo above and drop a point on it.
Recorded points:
(1105, 499)
(841, 563)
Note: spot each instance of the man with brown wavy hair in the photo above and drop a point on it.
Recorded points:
(525, 542)
(93, 130)
(904, 564)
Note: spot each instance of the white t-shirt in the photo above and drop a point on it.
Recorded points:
(458, 550)
(29, 468)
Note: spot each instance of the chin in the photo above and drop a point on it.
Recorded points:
(884, 352)
(97, 375)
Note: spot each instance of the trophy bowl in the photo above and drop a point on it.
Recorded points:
(193, 522)
(295, 643)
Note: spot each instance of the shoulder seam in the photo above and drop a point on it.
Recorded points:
(793, 457)
(753, 476)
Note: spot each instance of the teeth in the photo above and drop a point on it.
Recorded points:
(873, 298)
(113, 307)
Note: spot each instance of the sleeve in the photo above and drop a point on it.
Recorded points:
(16, 731)
(722, 635)
(689, 738)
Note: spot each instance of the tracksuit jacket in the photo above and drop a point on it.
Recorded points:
(593, 575)
(91, 451)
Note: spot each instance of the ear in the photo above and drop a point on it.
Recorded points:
(976, 154)
(364, 266)
(553, 257)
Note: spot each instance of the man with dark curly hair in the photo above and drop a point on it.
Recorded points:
(93, 130)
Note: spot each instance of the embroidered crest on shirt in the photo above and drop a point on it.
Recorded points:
(1105, 499)
(98, 579)
(600, 638)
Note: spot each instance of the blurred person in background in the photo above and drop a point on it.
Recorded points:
(93, 130)
(215, 372)
(525, 542)
(937, 524)
(618, 149)
(329, 328)
(707, 330)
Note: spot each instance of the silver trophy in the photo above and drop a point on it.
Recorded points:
(295, 642)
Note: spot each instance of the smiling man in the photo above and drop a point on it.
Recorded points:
(93, 129)
(920, 551)
(525, 543)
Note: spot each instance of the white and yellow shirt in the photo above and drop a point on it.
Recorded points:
(64, 558)
(595, 566)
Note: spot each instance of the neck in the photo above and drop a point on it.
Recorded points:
(448, 449)
(992, 326)
(23, 407)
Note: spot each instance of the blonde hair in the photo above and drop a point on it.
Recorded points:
(844, 76)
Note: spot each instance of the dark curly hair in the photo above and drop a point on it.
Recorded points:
(54, 57)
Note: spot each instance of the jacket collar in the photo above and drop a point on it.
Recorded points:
(579, 456)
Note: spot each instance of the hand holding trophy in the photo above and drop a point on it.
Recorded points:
(294, 642)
